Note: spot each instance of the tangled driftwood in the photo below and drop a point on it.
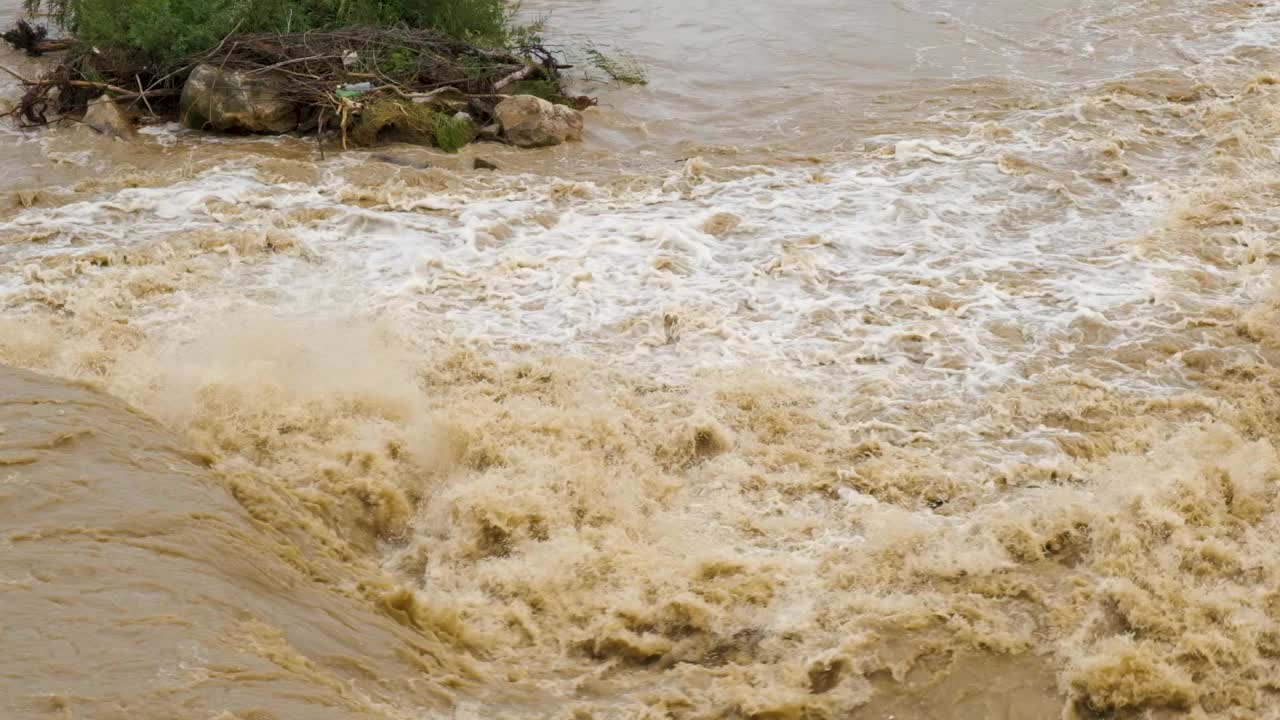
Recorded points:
(33, 40)
(414, 60)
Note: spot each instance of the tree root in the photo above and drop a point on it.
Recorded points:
(35, 40)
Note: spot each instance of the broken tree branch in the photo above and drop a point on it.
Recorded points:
(23, 80)
(516, 76)
(143, 94)
(123, 93)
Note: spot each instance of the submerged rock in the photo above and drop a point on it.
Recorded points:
(529, 121)
(105, 116)
(235, 101)
(402, 161)
(482, 164)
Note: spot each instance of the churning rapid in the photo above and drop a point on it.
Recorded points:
(912, 360)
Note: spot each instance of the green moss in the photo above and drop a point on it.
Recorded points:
(408, 120)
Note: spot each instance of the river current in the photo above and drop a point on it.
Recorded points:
(910, 359)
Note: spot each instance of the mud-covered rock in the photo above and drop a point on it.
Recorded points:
(108, 118)
(401, 160)
(529, 121)
(235, 101)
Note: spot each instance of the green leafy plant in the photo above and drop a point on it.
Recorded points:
(524, 34)
(483, 22)
(450, 134)
(400, 60)
(166, 31)
(621, 67)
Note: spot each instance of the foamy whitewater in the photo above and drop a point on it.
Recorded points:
(914, 361)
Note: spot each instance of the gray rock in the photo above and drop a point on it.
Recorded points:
(529, 121)
(105, 116)
(235, 101)
(490, 132)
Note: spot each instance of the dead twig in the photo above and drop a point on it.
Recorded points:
(123, 93)
(143, 94)
(21, 79)
(294, 61)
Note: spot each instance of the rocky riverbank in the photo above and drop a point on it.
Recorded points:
(356, 86)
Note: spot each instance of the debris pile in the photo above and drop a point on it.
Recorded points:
(362, 84)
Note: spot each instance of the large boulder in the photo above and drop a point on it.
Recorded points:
(236, 101)
(529, 121)
(105, 116)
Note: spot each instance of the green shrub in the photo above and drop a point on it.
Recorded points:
(480, 21)
(166, 31)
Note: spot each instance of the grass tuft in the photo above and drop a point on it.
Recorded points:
(622, 68)
(400, 117)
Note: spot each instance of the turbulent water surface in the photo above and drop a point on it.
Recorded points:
(908, 359)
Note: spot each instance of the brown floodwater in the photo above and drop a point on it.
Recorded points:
(909, 359)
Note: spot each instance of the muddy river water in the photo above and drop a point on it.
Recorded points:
(904, 359)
